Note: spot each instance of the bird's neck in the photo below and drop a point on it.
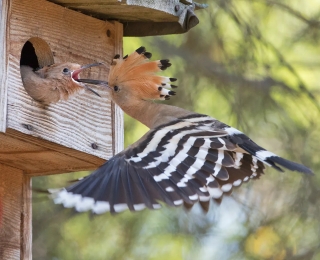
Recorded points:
(152, 114)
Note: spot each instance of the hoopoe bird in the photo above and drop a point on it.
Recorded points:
(184, 158)
(54, 82)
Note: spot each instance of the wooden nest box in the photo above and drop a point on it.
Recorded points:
(74, 135)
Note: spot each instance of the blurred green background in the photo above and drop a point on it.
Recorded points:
(255, 65)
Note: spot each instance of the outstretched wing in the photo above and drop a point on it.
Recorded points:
(192, 159)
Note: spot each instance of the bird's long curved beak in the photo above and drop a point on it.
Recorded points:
(94, 82)
(75, 73)
(91, 90)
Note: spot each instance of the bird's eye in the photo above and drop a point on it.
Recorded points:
(116, 88)
(65, 70)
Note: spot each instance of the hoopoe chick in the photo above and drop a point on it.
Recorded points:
(184, 158)
(55, 82)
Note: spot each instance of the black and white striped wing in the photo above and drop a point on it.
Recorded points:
(191, 159)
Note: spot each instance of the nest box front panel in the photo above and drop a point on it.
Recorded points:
(50, 33)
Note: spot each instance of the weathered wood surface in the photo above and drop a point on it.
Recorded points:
(39, 157)
(26, 219)
(4, 5)
(128, 10)
(86, 119)
(43, 51)
(141, 17)
(118, 124)
(14, 234)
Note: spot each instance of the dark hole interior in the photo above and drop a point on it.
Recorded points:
(28, 56)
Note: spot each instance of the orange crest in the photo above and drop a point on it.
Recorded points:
(139, 73)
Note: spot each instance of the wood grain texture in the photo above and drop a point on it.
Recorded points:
(4, 7)
(37, 157)
(118, 124)
(52, 146)
(11, 183)
(127, 10)
(26, 219)
(72, 36)
(10, 144)
(44, 162)
(43, 51)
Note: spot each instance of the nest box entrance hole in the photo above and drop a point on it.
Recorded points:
(36, 53)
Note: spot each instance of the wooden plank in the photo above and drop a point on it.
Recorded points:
(11, 183)
(26, 219)
(4, 6)
(45, 162)
(10, 144)
(129, 10)
(141, 17)
(55, 147)
(118, 124)
(86, 119)
(39, 157)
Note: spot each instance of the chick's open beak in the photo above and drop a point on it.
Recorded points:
(75, 73)
(75, 76)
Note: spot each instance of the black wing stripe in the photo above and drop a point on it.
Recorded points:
(200, 176)
(116, 192)
(172, 179)
(177, 184)
(145, 199)
(172, 183)
(126, 182)
(158, 186)
(111, 192)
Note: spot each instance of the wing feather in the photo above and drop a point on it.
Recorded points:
(188, 160)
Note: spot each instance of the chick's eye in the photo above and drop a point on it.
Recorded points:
(116, 88)
(65, 70)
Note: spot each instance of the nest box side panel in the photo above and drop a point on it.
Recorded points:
(15, 214)
(118, 130)
(87, 122)
(3, 64)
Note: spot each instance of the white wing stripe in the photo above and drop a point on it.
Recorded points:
(217, 167)
(154, 142)
(165, 154)
(232, 131)
(263, 154)
(224, 144)
(199, 119)
(237, 160)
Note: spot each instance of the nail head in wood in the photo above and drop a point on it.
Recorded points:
(94, 146)
(27, 126)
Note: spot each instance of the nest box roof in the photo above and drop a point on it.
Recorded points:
(141, 17)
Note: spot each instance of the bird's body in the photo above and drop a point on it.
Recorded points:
(53, 83)
(185, 157)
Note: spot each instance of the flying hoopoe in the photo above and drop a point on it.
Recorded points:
(184, 158)
(54, 82)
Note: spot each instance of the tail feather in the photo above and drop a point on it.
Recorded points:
(290, 165)
(272, 159)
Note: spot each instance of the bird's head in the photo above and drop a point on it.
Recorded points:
(66, 75)
(134, 77)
